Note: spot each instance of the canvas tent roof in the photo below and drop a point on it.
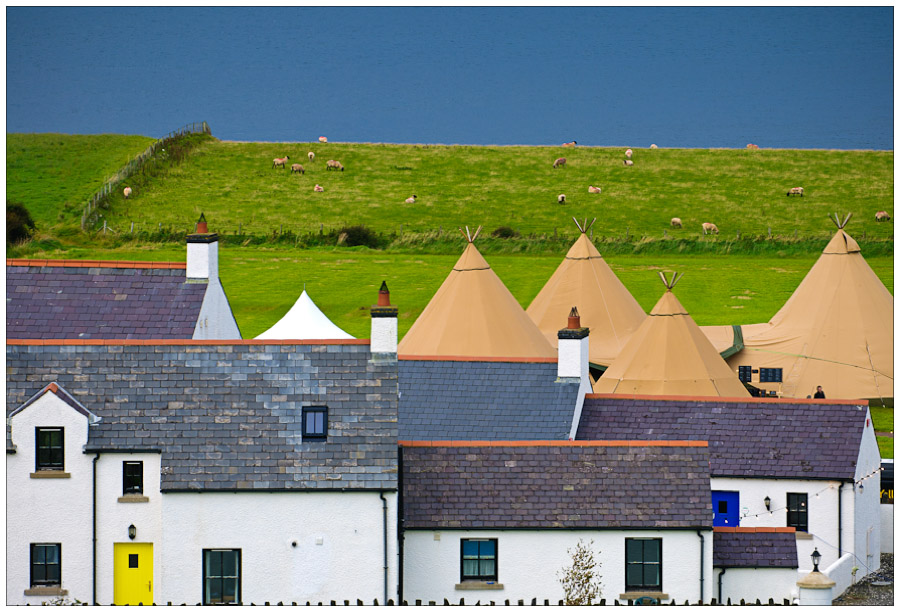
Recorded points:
(669, 355)
(585, 281)
(836, 330)
(304, 321)
(473, 314)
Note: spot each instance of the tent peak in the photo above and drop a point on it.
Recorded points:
(670, 283)
(584, 227)
(471, 238)
(837, 220)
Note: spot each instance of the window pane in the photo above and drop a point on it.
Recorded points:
(634, 550)
(215, 563)
(320, 422)
(470, 549)
(214, 590)
(229, 590)
(53, 573)
(651, 574)
(470, 567)
(51, 553)
(487, 568)
(229, 563)
(651, 551)
(38, 572)
(486, 549)
(633, 574)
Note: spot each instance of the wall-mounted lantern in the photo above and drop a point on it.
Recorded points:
(132, 532)
(767, 502)
(816, 555)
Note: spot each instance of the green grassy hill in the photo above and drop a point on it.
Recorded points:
(744, 191)
(55, 174)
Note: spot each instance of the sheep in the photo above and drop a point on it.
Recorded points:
(318, 188)
(570, 144)
(628, 153)
(882, 216)
(796, 191)
(561, 198)
(653, 146)
(752, 146)
(628, 162)
(676, 222)
(322, 139)
(333, 165)
(127, 192)
(411, 200)
(311, 156)
(710, 228)
(279, 161)
(559, 162)
(297, 168)
(592, 189)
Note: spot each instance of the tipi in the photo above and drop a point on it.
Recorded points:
(304, 321)
(584, 280)
(473, 314)
(669, 355)
(836, 330)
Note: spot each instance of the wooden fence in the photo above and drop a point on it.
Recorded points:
(91, 210)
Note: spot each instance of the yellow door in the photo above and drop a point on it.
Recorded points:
(133, 567)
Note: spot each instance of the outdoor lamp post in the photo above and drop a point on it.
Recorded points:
(132, 532)
(816, 555)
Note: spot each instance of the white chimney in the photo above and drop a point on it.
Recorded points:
(202, 253)
(573, 350)
(384, 325)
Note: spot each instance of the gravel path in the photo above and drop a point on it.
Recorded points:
(870, 591)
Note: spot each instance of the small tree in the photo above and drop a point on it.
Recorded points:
(580, 581)
(19, 225)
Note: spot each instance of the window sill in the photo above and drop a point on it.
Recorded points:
(51, 474)
(46, 590)
(478, 585)
(803, 535)
(638, 594)
(133, 498)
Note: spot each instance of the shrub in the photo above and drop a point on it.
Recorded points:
(358, 235)
(580, 581)
(505, 232)
(19, 224)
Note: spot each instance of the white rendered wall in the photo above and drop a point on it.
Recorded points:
(574, 362)
(867, 504)
(822, 516)
(751, 584)
(384, 335)
(339, 553)
(49, 510)
(528, 563)
(887, 528)
(203, 260)
(216, 321)
(114, 516)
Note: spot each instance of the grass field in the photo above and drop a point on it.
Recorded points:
(54, 174)
(743, 191)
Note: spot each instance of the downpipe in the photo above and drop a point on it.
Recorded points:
(722, 573)
(94, 535)
(384, 530)
(702, 542)
(840, 521)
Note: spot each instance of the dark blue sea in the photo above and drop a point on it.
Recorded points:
(805, 78)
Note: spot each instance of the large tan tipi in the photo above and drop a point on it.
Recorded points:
(585, 281)
(835, 331)
(473, 314)
(669, 355)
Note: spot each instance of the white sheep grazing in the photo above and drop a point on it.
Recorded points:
(311, 156)
(628, 162)
(570, 144)
(653, 146)
(322, 139)
(297, 168)
(411, 200)
(710, 228)
(333, 165)
(796, 191)
(628, 153)
(561, 198)
(882, 216)
(676, 222)
(752, 146)
(279, 161)
(318, 188)
(127, 192)
(592, 189)
(559, 162)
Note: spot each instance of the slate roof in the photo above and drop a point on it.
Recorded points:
(754, 438)
(561, 484)
(484, 400)
(70, 299)
(754, 547)
(226, 416)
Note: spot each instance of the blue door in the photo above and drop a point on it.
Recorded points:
(726, 508)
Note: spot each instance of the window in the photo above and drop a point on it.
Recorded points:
(49, 445)
(478, 559)
(315, 422)
(222, 576)
(770, 375)
(744, 373)
(643, 564)
(132, 477)
(798, 511)
(45, 564)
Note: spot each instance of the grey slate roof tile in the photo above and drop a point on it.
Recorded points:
(219, 436)
(541, 486)
(70, 302)
(484, 400)
(775, 439)
(754, 548)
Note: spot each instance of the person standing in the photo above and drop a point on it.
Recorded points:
(819, 393)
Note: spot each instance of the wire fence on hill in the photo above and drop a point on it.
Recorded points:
(90, 215)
